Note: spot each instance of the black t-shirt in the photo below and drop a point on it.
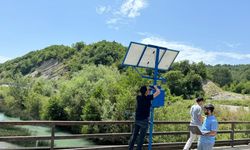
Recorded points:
(143, 107)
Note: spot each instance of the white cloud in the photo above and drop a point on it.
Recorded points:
(3, 59)
(103, 9)
(112, 21)
(195, 54)
(123, 14)
(231, 45)
(131, 8)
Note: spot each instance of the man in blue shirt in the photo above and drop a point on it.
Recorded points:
(206, 141)
(142, 115)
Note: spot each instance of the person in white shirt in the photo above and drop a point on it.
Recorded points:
(196, 119)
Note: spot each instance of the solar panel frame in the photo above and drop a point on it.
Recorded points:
(143, 56)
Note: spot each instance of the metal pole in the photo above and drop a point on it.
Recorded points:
(152, 108)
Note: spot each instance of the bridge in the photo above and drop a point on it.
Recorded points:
(231, 143)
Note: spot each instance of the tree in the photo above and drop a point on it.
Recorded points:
(54, 110)
(242, 87)
(175, 82)
(182, 66)
(79, 45)
(19, 91)
(33, 105)
(91, 111)
(222, 76)
(200, 69)
(246, 75)
(193, 85)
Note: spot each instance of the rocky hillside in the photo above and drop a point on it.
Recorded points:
(212, 91)
(50, 69)
(59, 60)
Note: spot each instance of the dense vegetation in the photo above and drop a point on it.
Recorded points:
(180, 111)
(92, 85)
(235, 78)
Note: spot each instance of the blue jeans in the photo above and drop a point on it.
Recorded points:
(142, 127)
(205, 146)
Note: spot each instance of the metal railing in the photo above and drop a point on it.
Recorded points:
(173, 145)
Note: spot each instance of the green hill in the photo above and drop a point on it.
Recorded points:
(58, 60)
(234, 78)
(184, 79)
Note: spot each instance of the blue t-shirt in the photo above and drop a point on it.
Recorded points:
(143, 107)
(209, 124)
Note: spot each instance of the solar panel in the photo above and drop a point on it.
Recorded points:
(141, 55)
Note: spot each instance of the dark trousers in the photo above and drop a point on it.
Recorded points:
(142, 127)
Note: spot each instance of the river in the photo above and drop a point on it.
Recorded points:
(40, 131)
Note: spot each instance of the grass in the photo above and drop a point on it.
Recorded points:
(179, 111)
(243, 103)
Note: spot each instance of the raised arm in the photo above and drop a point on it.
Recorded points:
(157, 91)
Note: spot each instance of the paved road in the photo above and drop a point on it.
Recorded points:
(242, 147)
(239, 147)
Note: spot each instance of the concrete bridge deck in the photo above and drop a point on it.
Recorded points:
(3, 146)
(239, 147)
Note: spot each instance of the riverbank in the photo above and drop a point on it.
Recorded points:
(42, 131)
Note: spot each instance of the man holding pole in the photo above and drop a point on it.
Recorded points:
(142, 116)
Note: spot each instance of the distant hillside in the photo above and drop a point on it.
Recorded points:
(212, 91)
(234, 78)
(58, 60)
(238, 72)
(184, 79)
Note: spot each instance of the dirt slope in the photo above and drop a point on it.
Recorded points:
(50, 69)
(212, 91)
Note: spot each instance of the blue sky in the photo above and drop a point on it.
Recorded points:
(212, 31)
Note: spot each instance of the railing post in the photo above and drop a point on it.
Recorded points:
(131, 127)
(52, 136)
(232, 134)
(188, 135)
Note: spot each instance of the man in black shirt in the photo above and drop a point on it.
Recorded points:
(142, 115)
